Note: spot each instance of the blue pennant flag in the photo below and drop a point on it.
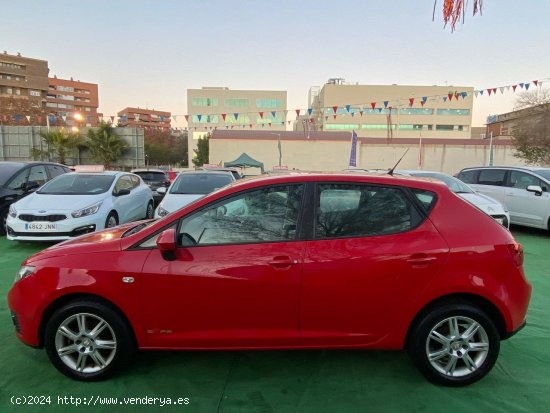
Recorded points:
(272, 114)
(424, 99)
(521, 85)
(52, 118)
(444, 98)
(236, 116)
(162, 118)
(527, 86)
(309, 111)
(17, 118)
(386, 103)
(199, 117)
(124, 118)
(464, 94)
(481, 92)
(347, 108)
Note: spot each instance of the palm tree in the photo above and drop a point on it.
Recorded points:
(59, 144)
(105, 145)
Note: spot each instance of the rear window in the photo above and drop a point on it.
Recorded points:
(152, 176)
(200, 184)
(470, 177)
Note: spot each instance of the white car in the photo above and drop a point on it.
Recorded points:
(487, 204)
(74, 204)
(190, 186)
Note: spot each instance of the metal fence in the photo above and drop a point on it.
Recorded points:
(17, 143)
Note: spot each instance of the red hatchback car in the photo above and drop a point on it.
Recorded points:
(279, 262)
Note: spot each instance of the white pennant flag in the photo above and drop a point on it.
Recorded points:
(174, 117)
(64, 117)
(540, 84)
(137, 117)
(28, 118)
(507, 88)
(501, 90)
(476, 92)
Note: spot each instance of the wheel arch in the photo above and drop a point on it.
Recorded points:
(75, 297)
(483, 303)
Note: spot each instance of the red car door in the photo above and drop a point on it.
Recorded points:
(235, 279)
(372, 250)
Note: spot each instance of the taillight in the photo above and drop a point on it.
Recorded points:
(516, 250)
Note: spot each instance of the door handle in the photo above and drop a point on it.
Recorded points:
(421, 260)
(282, 262)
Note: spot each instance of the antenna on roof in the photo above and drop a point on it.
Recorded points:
(390, 172)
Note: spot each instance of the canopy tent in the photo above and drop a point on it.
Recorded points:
(245, 161)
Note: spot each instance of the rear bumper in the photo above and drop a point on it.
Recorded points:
(513, 333)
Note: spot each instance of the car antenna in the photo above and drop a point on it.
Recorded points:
(390, 172)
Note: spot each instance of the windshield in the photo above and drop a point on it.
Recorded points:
(152, 176)
(545, 173)
(199, 184)
(7, 170)
(78, 184)
(454, 184)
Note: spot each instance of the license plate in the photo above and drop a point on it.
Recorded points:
(40, 226)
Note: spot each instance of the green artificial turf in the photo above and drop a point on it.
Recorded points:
(290, 381)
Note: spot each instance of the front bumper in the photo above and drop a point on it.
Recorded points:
(18, 230)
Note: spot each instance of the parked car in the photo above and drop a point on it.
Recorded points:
(190, 186)
(524, 191)
(76, 203)
(285, 261)
(156, 179)
(234, 171)
(19, 179)
(487, 204)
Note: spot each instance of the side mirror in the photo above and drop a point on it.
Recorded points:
(124, 191)
(161, 190)
(166, 243)
(536, 189)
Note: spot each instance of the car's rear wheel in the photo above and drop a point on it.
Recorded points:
(3, 221)
(112, 220)
(87, 340)
(454, 345)
(150, 211)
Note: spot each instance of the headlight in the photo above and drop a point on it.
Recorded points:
(23, 272)
(86, 211)
(12, 212)
(162, 212)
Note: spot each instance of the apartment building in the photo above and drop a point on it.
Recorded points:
(73, 101)
(215, 108)
(145, 119)
(503, 125)
(23, 88)
(390, 111)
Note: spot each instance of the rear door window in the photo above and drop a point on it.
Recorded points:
(494, 177)
(521, 180)
(470, 177)
(55, 170)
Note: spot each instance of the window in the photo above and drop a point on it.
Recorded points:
(268, 103)
(9, 90)
(241, 103)
(413, 127)
(19, 180)
(350, 210)
(35, 93)
(470, 177)
(135, 181)
(427, 198)
(124, 182)
(521, 180)
(444, 127)
(18, 92)
(492, 177)
(341, 126)
(263, 215)
(204, 102)
(453, 112)
(38, 175)
(416, 111)
(55, 170)
(65, 88)
(376, 127)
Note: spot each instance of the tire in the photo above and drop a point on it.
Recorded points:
(150, 211)
(445, 334)
(83, 359)
(3, 219)
(112, 220)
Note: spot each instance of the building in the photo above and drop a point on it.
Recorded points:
(503, 125)
(73, 101)
(145, 119)
(23, 89)
(390, 111)
(211, 108)
(330, 151)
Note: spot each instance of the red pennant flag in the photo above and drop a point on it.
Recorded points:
(514, 87)
(297, 112)
(250, 125)
(489, 91)
(261, 115)
(361, 113)
(411, 101)
(372, 105)
(206, 127)
(495, 90)
(450, 95)
(334, 116)
(422, 103)
(335, 108)
(536, 82)
(187, 118)
(224, 115)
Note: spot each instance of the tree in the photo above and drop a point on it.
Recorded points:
(531, 131)
(165, 148)
(59, 144)
(105, 145)
(202, 151)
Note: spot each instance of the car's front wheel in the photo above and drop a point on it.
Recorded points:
(112, 220)
(455, 344)
(3, 221)
(87, 340)
(150, 212)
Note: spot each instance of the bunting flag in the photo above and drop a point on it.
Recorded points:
(136, 117)
(187, 118)
(450, 96)
(309, 110)
(199, 117)
(174, 117)
(297, 112)
(28, 118)
(223, 116)
(411, 101)
(527, 86)
(536, 82)
(444, 98)
(335, 108)
(124, 118)
(261, 115)
(424, 100)
(373, 104)
(112, 119)
(361, 112)
(161, 118)
(489, 91)
(236, 115)
(385, 104)
(348, 108)
(17, 118)
(476, 92)
(521, 85)
(273, 114)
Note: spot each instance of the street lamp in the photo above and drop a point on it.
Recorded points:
(279, 146)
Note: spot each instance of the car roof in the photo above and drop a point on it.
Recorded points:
(525, 168)
(108, 173)
(23, 163)
(206, 172)
(148, 170)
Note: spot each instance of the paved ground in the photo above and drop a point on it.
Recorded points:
(290, 381)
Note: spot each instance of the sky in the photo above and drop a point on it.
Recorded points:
(148, 53)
